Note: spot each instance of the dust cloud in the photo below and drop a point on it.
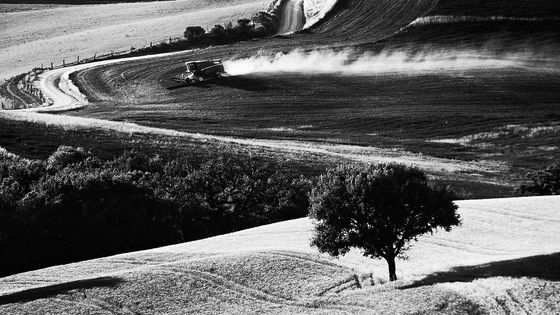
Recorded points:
(351, 62)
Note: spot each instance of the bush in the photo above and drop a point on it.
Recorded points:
(543, 182)
(65, 156)
(194, 33)
(227, 194)
(263, 24)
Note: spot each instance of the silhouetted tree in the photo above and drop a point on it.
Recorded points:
(543, 182)
(194, 33)
(218, 33)
(244, 23)
(227, 194)
(377, 208)
(267, 21)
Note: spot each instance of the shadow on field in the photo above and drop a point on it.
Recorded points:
(243, 83)
(198, 85)
(545, 267)
(51, 290)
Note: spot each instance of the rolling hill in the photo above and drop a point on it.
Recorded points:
(33, 37)
(502, 260)
(467, 89)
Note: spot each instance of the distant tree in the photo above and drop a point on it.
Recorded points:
(267, 21)
(194, 33)
(218, 33)
(543, 182)
(379, 209)
(244, 23)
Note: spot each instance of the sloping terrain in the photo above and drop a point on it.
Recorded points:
(473, 84)
(501, 260)
(478, 69)
(362, 20)
(496, 26)
(38, 37)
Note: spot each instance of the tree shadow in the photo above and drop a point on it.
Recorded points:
(546, 267)
(51, 290)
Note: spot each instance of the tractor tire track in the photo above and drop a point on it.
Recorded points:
(258, 295)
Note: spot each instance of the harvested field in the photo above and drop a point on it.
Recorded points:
(500, 261)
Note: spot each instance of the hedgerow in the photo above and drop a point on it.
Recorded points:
(74, 206)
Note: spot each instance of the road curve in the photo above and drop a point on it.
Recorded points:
(292, 17)
(64, 95)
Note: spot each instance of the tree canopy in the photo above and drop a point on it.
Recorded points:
(543, 182)
(76, 206)
(379, 209)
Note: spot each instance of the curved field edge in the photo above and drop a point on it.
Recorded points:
(38, 37)
(490, 264)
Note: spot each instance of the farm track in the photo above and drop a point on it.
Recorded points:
(232, 286)
(258, 295)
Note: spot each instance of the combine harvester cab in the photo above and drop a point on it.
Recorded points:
(201, 71)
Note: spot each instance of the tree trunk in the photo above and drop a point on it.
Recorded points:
(392, 268)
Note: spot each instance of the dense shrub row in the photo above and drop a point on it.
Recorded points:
(261, 25)
(75, 206)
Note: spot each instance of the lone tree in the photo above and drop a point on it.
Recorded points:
(379, 209)
(194, 33)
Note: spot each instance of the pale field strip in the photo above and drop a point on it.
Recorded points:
(523, 131)
(67, 96)
(491, 230)
(31, 38)
(446, 19)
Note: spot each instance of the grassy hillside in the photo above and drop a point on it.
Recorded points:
(501, 261)
(78, 2)
(30, 38)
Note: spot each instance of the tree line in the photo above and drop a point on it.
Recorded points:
(74, 206)
(261, 25)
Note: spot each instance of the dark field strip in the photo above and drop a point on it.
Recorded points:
(516, 8)
(38, 141)
(537, 38)
(388, 110)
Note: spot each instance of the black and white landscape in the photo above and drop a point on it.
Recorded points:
(276, 156)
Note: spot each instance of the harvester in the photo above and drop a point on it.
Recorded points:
(200, 71)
